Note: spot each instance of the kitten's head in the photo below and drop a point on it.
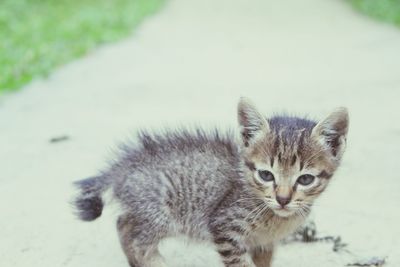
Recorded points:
(291, 160)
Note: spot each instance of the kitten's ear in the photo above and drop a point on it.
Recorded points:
(252, 123)
(332, 131)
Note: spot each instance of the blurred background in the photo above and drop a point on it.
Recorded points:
(77, 77)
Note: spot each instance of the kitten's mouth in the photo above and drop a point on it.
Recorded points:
(283, 212)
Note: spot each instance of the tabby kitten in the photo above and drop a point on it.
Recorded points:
(242, 196)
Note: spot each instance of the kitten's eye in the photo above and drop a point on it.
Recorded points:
(266, 176)
(306, 179)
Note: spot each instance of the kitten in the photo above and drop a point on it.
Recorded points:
(242, 196)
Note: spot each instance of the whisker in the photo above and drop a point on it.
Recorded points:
(255, 210)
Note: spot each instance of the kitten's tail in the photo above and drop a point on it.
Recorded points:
(89, 203)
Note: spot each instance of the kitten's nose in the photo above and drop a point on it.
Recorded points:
(282, 200)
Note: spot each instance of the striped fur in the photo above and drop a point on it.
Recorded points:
(206, 186)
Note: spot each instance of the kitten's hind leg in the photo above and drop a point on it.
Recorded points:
(140, 245)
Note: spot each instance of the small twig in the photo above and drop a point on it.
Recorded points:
(308, 233)
(58, 139)
(374, 261)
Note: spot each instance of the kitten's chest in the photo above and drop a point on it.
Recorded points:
(273, 230)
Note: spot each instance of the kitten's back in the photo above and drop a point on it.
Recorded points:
(178, 175)
(177, 161)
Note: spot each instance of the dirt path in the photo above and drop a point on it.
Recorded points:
(190, 63)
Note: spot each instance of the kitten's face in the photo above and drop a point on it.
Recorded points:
(291, 160)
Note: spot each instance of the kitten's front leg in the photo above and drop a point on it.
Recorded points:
(262, 257)
(233, 252)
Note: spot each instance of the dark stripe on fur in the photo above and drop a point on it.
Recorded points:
(231, 252)
(324, 174)
(250, 165)
(294, 159)
(231, 261)
(223, 240)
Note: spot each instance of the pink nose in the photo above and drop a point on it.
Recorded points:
(283, 201)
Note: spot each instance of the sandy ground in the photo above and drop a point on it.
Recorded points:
(189, 64)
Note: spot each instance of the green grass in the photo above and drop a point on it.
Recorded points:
(386, 10)
(38, 35)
